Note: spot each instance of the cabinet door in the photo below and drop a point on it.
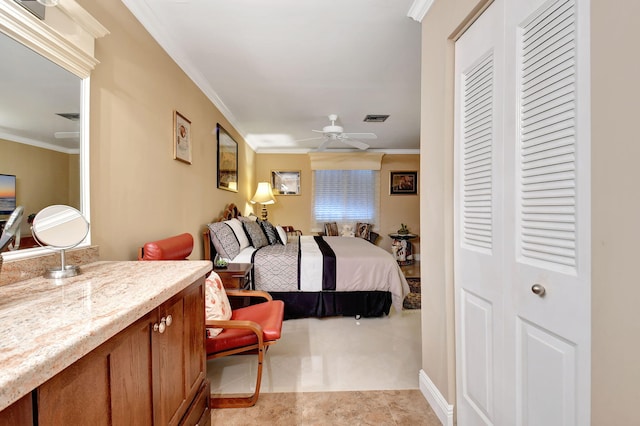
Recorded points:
(169, 396)
(178, 355)
(20, 413)
(109, 386)
(130, 373)
(194, 349)
(77, 395)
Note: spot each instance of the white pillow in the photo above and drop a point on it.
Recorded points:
(238, 230)
(282, 234)
(216, 302)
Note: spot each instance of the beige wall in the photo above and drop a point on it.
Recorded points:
(43, 177)
(296, 210)
(436, 204)
(615, 204)
(138, 191)
(615, 213)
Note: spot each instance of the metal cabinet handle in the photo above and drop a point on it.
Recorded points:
(538, 289)
(163, 325)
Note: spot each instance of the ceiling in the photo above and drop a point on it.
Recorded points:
(276, 69)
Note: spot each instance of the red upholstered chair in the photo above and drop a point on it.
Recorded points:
(178, 247)
(251, 329)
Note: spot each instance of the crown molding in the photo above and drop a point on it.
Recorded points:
(419, 9)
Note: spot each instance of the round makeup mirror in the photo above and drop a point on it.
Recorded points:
(60, 228)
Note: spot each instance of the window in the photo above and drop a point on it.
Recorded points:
(345, 196)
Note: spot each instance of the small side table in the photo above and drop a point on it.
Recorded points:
(402, 248)
(235, 275)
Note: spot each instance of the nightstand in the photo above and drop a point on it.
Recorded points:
(236, 275)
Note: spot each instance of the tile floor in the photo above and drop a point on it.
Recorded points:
(375, 408)
(330, 354)
(331, 371)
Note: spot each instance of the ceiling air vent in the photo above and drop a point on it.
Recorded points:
(376, 118)
(73, 116)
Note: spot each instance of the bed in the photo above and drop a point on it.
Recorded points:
(315, 276)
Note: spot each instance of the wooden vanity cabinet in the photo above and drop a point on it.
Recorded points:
(152, 373)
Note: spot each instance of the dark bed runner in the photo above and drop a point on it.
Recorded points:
(328, 264)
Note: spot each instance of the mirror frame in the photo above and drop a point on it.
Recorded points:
(74, 54)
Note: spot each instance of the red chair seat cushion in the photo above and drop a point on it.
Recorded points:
(268, 314)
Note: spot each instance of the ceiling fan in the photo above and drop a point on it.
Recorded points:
(335, 133)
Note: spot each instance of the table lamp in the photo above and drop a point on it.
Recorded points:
(263, 196)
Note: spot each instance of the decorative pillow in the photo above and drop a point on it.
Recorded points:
(216, 302)
(255, 234)
(238, 231)
(331, 229)
(250, 218)
(270, 232)
(282, 235)
(373, 237)
(224, 240)
(363, 230)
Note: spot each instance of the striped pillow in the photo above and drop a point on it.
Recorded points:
(255, 234)
(270, 232)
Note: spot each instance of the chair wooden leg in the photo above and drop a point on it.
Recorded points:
(241, 402)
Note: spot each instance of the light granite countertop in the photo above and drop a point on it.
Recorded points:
(49, 324)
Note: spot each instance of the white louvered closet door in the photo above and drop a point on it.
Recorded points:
(550, 245)
(522, 216)
(478, 210)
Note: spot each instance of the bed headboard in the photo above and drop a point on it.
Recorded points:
(230, 211)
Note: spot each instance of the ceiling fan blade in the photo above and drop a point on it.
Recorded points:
(361, 135)
(324, 144)
(309, 139)
(355, 143)
(318, 131)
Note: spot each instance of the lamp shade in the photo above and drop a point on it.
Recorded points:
(263, 194)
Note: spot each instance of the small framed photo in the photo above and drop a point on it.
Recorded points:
(181, 138)
(403, 183)
(285, 182)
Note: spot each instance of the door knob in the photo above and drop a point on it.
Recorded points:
(538, 289)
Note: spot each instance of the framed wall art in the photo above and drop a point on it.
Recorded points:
(227, 161)
(403, 183)
(285, 182)
(181, 138)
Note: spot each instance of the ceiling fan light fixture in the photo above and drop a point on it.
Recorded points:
(332, 129)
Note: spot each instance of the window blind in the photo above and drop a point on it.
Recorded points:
(345, 197)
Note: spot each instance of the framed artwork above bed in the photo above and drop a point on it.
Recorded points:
(285, 182)
(227, 161)
(403, 183)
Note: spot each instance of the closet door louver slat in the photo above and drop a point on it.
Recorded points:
(477, 231)
(548, 137)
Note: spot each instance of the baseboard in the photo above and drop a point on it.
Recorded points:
(438, 403)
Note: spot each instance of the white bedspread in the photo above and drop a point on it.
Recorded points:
(364, 266)
(310, 264)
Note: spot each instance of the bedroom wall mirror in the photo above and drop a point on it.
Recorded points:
(44, 109)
